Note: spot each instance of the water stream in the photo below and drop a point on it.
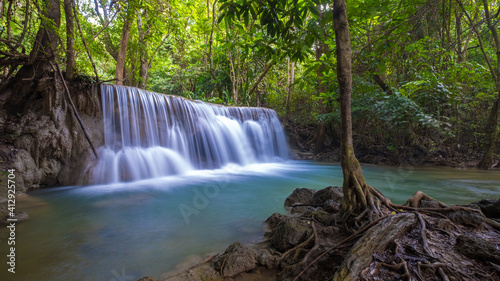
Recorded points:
(150, 135)
(147, 227)
(178, 178)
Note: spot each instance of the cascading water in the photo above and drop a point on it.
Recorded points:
(151, 135)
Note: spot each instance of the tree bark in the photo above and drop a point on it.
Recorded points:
(358, 196)
(70, 40)
(122, 53)
(143, 52)
(291, 80)
(262, 75)
(492, 123)
(233, 77)
(108, 43)
(45, 46)
(75, 14)
(458, 27)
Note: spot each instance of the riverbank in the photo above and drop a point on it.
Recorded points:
(433, 242)
(304, 146)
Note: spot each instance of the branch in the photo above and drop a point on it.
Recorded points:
(268, 67)
(83, 40)
(486, 58)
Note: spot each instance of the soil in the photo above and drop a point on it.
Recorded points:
(429, 241)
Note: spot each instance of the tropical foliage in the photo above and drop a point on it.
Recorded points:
(425, 71)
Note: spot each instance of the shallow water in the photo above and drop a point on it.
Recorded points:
(128, 230)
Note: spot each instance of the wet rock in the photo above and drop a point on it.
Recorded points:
(235, 260)
(332, 206)
(477, 248)
(267, 259)
(466, 218)
(321, 216)
(41, 139)
(490, 208)
(330, 193)
(288, 233)
(301, 196)
(274, 220)
(428, 204)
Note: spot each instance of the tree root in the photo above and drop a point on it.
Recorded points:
(297, 247)
(366, 208)
(339, 244)
(403, 264)
(423, 235)
(493, 223)
(418, 196)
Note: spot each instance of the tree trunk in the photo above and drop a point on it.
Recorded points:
(458, 26)
(233, 77)
(291, 80)
(143, 53)
(108, 43)
(45, 46)
(357, 194)
(262, 75)
(70, 40)
(492, 123)
(122, 53)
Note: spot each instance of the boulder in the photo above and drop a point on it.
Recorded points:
(274, 220)
(300, 195)
(268, 259)
(235, 260)
(477, 248)
(490, 208)
(330, 193)
(288, 233)
(466, 218)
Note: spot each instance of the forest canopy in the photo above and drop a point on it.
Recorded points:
(427, 71)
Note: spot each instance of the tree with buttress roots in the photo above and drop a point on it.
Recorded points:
(283, 19)
(359, 197)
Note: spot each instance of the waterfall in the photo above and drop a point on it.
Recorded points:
(150, 135)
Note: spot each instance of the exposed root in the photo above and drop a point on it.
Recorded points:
(418, 196)
(337, 245)
(443, 275)
(403, 264)
(423, 235)
(299, 246)
(495, 266)
(493, 223)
